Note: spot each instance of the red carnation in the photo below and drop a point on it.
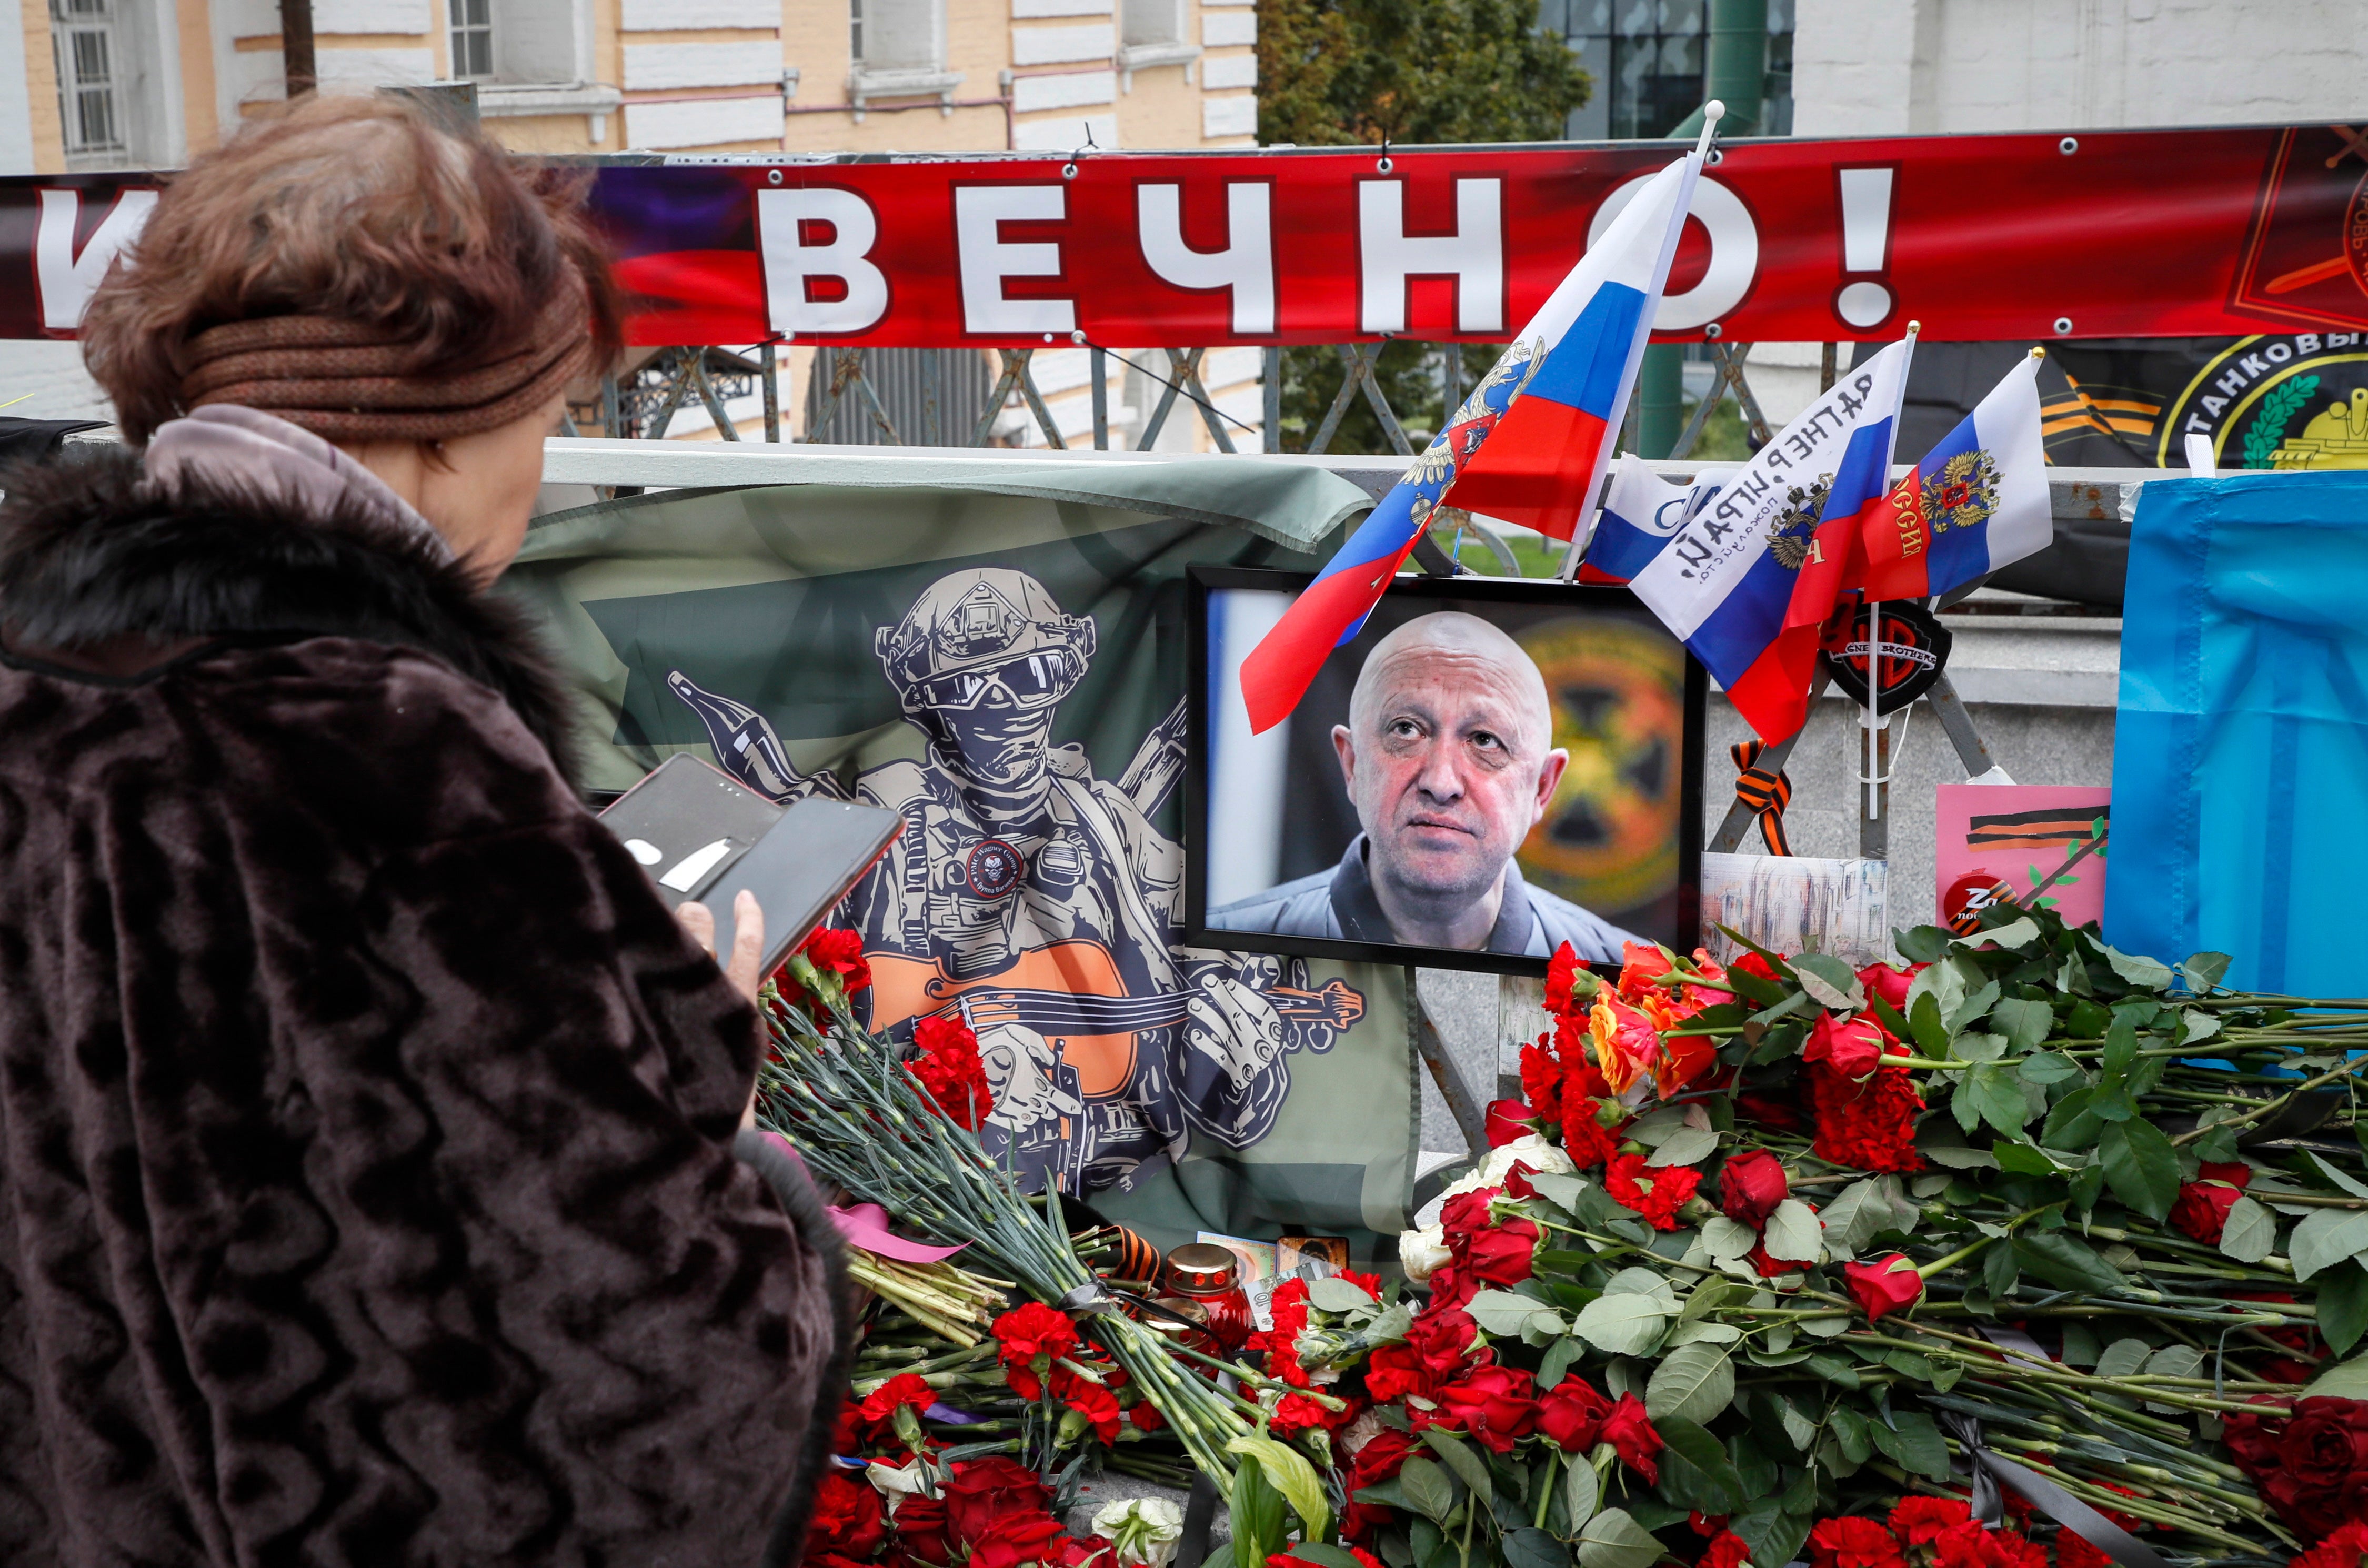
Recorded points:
(846, 1516)
(1750, 1186)
(1852, 1045)
(2203, 1207)
(1089, 1399)
(2347, 1548)
(1562, 979)
(1852, 1542)
(1883, 1286)
(904, 1389)
(1726, 1550)
(1871, 1125)
(1630, 1432)
(1028, 1339)
(1656, 1192)
(839, 953)
(1571, 1415)
(1497, 1405)
(1918, 1521)
(948, 1066)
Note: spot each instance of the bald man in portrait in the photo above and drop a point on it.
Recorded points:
(1448, 758)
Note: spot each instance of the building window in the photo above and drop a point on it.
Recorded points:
(1149, 23)
(855, 28)
(472, 37)
(897, 35)
(83, 34)
(1649, 58)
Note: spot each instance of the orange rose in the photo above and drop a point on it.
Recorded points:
(1627, 1043)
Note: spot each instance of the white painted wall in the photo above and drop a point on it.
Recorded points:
(1889, 67)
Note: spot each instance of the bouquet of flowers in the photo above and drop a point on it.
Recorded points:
(2028, 1247)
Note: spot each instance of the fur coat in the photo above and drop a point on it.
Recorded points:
(367, 1192)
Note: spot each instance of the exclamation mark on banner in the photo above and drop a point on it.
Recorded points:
(1864, 302)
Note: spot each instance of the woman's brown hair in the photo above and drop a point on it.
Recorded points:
(419, 248)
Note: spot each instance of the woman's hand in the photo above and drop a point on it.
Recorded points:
(747, 955)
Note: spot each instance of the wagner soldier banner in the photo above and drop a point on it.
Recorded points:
(995, 650)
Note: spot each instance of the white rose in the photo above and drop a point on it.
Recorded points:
(1142, 1531)
(1421, 1251)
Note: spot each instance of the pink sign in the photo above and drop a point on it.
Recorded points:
(2022, 838)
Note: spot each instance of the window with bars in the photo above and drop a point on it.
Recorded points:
(472, 37)
(83, 34)
(855, 31)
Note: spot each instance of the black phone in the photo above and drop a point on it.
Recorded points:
(700, 834)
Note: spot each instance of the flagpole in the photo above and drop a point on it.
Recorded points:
(1713, 112)
(1874, 606)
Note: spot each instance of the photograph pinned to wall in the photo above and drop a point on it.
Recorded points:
(1797, 904)
(2025, 842)
(1485, 770)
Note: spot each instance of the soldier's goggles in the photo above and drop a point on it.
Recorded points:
(1024, 680)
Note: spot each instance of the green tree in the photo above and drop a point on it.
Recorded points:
(1351, 72)
(1334, 72)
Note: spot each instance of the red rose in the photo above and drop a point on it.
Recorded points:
(2203, 1207)
(1382, 1457)
(1726, 1550)
(920, 1526)
(1077, 1552)
(846, 1516)
(1630, 1432)
(1918, 1521)
(1890, 985)
(1442, 1337)
(1750, 1185)
(1640, 968)
(2310, 1463)
(1493, 1405)
(1656, 1192)
(1851, 1542)
(1502, 1255)
(1015, 1538)
(1090, 1400)
(1752, 963)
(1852, 1045)
(1467, 1211)
(1571, 1415)
(982, 1491)
(1508, 1120)
(1885, 1285)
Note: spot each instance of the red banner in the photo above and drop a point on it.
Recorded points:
(2131, 233)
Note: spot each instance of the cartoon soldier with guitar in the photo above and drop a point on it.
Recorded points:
(1038, 902)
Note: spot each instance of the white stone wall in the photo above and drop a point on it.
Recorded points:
(1889, 67)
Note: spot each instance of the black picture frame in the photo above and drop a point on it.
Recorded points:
(1203, 580)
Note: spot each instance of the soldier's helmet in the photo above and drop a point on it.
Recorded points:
(989, 637)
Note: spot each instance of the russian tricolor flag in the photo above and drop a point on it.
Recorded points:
(1549, 405)
(1747, 581)
(1641, 512)
(1976, 502)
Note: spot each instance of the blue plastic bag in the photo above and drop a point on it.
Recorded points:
(2240, 751)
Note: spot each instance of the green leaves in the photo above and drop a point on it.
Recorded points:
(1694, 1382)
(1695, 1471)
(2140, 1166)
(1506, 1313)
(1332, 1294)
(1257, 1505)
(1425, 1488)
(1287, 1470)
(2203, 970)
(2064, 1261)
(1830, 983)
(2143, 974)
(1623, 1325)
(1580, 1490)
(2326, 1238)
(1991, 1092)
(1793, 1234)
(2023, 1023)
(2342, 1317)
(1613, 1540)
(1913, 1442)
(1469, 1467)
(2250, 1232)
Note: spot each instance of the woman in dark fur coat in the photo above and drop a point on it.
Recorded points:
(366, 1186)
